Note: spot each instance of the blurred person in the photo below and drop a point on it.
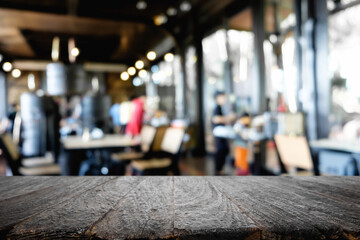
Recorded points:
(13, 110)
(351, 130)
(282, 105)
(135, 123)
(125, 112)
(115, 116)
(218, 119)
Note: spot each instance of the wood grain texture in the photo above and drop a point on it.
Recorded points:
(55, 191)
(145, 213)
(180, 208)
(202, 211)
(286, 211)
(88, 208)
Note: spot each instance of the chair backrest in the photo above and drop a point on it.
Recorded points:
(294, 151)
(9, 147)
(172, 140)
(147, 137)
(160, 133)
(11, 153)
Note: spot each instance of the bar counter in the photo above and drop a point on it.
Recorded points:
(180, 207)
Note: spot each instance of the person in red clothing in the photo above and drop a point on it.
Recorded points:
(135, 123)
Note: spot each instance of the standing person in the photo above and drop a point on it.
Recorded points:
(134, 126)
(221, 143)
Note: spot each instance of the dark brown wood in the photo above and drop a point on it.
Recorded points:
(180, 207)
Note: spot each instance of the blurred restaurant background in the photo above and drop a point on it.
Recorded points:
(180, 87)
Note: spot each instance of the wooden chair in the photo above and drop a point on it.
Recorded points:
(294, 153)
(166, 159)
(27, 166)
(147, 136)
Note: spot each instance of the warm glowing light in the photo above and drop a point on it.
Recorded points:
(160, 19)
(185, 6)
(143, 73)
(31, 82)
(124, 76)
(139, 64)
(151, 55)
(7, 67)
(141, 5)
(16, 73)
(75, 52)
(171, 11)
(169, 57)
(55, 49)
(131, 71)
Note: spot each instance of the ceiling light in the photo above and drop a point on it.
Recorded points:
(137, 82)
(141, 5)
(16, 73)
(124, 76)
(75, 52)
(139, 64)
(7, 67)
(131, 71)
(31, 82)
(155, 68)
(160, 19)
(156, 77)
(143, 73)
(185, 6)
(55, 49)
(171, 11)
(169, 57)
(95, 84)
(151, 55)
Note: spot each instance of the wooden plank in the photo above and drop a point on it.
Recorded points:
(349, 183)
(280, 212)
(180, 208)
(14, 186)
(146, 212)
(21, 207)
(311, 185)
(336, 211)
(72, 218)
(14, 43)
(202, 212)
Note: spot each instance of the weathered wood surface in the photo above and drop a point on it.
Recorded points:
(180, 207)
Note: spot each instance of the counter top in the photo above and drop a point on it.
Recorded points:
(180, 207)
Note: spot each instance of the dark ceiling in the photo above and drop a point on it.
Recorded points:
(104, 31)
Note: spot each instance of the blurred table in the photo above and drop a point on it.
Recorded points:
(108, 141)
(96, 151)
(180, 207)
(336, 157)
(336, 145)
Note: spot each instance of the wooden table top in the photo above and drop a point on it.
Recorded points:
(108, 141)
(180, 207)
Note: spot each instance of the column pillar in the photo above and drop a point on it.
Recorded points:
(258, 100)
(3, 95)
